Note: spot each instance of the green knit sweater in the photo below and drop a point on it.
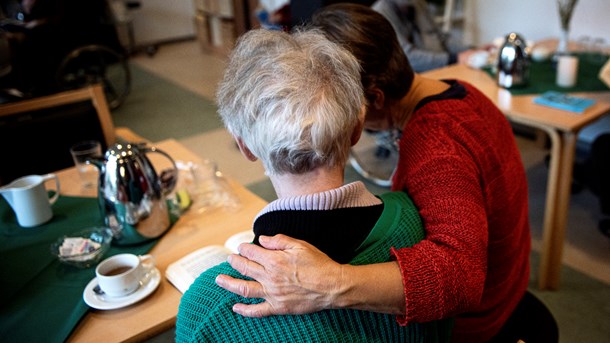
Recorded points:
(206, 315)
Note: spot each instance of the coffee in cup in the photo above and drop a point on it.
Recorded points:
(122, 274)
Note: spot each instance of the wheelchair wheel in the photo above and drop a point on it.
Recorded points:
(375, 158)
(94, 64)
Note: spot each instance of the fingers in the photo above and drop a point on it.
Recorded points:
(247, 265)
(253, 259)
(244, 288)
(255, 311)
(285, 271)
(282, 242)
(248, 289)
(251, 251)
(278, 242)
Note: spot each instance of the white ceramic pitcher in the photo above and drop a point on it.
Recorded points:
(29, 199)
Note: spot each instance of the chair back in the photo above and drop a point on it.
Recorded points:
(5, 54)
(36, 134)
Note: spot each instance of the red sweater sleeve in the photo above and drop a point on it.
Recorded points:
(445, 273)
(460, 165)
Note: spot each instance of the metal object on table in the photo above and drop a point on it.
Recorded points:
(513, 62)
(132, 197)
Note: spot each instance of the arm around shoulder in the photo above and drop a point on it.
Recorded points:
(296, 278)
(373, 287)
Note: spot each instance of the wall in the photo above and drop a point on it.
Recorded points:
(159, 21)
(534, 19)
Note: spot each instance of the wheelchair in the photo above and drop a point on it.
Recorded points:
(375, 157)
(75, 45)
(93, 64)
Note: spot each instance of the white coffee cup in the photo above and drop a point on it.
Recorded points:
(122, 274)
(29, 199)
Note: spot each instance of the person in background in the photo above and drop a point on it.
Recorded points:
(296, 102)
(33, 33)
(424, 44)
(418, 34)
(274, 14)
(420, 37)
(460, 164)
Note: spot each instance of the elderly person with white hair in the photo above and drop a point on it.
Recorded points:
(296, 103)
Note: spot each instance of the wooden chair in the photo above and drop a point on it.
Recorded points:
(36, 134)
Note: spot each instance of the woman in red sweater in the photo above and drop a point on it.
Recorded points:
(460, 164)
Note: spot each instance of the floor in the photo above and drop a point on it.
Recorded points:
(185, 64)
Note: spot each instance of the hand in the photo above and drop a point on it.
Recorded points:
(292, 276)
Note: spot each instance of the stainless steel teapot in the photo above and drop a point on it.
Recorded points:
(513, 62)
(132, 197)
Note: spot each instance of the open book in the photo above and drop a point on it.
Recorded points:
(183, 272)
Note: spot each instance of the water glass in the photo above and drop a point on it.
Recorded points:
(81, 153)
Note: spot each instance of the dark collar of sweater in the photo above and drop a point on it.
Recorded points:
(336, 227)
(455, 91)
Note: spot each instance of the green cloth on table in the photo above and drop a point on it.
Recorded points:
(41, 299)
(543, 74)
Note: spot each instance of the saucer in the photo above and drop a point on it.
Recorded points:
(103, 302)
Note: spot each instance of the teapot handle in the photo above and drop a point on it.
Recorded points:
(173, 174)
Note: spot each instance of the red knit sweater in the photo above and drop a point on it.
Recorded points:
(462, 168)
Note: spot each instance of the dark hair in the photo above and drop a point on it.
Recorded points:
(372, 39)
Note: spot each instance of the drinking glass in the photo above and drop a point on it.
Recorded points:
(81, 153)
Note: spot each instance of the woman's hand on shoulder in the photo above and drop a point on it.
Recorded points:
(291, 275)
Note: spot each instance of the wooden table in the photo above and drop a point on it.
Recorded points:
(562, 128)
(157, 313)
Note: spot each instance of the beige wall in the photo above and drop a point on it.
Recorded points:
(158, 21)
(534, 19)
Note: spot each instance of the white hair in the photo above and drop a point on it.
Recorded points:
(293, 99)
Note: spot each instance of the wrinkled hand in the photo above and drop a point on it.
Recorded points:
(292, 276)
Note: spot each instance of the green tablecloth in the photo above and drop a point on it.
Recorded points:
(41, 299)
(542, 77)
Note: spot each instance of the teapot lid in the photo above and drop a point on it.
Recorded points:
(124, 149)
(515, 39)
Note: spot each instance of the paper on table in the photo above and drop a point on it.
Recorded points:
(604, 74)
